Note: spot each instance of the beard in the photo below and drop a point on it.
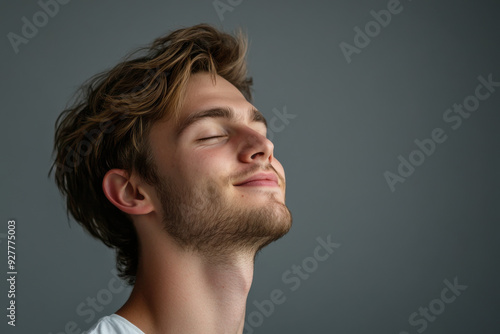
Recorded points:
(202, 219)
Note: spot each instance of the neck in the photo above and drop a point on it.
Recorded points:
(177, 291)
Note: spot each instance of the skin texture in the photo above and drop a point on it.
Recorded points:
(200, 228)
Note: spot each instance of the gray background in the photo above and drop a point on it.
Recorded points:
(352, 122)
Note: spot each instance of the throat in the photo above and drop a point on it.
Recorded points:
(186, 293)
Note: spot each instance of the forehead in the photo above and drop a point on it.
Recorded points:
(202, 92)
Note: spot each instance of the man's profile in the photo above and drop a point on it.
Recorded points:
(165, 159)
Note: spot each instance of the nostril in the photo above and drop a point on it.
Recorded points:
(256, 154)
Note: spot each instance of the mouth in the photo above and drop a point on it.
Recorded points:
(260, 180)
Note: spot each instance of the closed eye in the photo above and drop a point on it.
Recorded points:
(212, 137)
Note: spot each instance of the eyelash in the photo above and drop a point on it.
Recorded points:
(211, 137)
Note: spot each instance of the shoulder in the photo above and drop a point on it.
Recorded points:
(113, 324)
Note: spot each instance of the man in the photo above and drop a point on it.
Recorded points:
(165, 159)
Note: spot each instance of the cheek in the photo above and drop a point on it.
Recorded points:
(206, 165)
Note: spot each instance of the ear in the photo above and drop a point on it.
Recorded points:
(121, 190)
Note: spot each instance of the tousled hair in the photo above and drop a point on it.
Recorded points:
(107, 125)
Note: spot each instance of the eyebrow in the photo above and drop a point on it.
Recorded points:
(218, 112)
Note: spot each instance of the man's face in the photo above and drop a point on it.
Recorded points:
(222, 189)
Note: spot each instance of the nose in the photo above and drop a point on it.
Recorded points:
(254, 147)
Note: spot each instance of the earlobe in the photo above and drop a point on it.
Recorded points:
(124, 193)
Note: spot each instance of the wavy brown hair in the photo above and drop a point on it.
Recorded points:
(107, 125)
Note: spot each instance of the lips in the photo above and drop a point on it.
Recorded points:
(260, 179)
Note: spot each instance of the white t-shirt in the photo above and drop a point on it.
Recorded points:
(114, 324)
